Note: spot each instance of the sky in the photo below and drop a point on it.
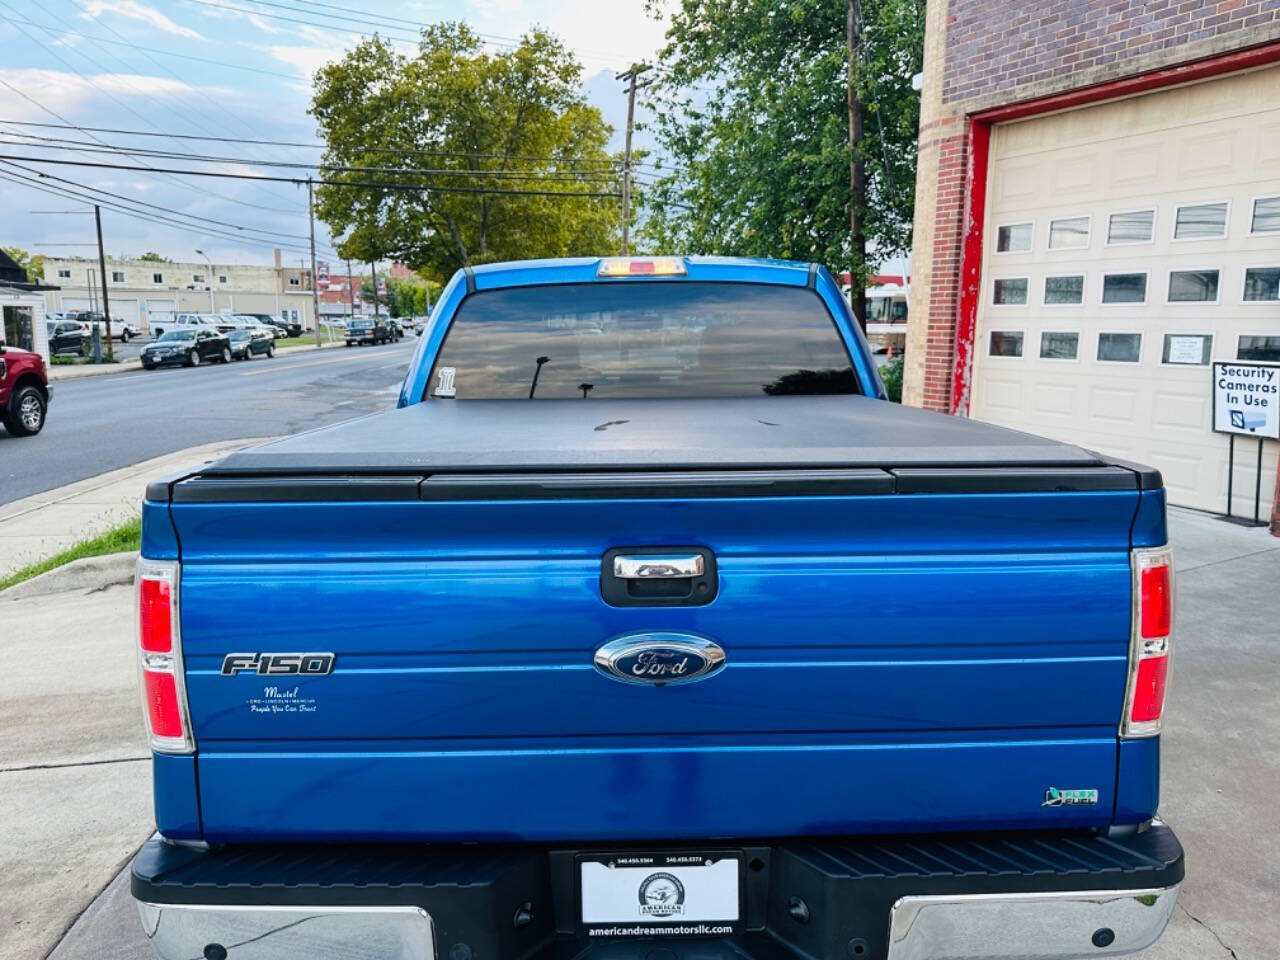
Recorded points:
(225, 68)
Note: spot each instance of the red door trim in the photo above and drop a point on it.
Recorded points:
(976, 177)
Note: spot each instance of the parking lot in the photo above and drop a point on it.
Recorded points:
(75, 781)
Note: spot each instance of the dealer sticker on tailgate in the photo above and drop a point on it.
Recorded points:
(677, 894)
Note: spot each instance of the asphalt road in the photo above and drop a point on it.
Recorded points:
(102, 423)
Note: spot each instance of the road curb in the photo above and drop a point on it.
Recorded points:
(89, 573)
(79, 371)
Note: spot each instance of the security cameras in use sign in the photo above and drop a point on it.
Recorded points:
(1246, 398)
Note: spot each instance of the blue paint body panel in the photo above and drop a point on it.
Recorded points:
(894, 662)
(888, 650)
(173, 780)
(159, 540)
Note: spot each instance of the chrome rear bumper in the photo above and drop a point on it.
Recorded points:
(183, 931)
(1029, 926)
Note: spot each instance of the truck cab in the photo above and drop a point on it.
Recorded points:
(644, 625)
(24, 391)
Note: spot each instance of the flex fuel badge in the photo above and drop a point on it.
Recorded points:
(1054, 797)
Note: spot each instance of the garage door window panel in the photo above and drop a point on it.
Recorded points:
(1015, 237)
(1262, 284)
(1202, 221)
(1129, 227)
(1124, 288)
(1064, 291)
(1059, 345)
(1187, 349)
(1119, 347)
(1259, 348)
(1009, 292)
(1069, 233)
(1193, 286)
(1266, 215)
(1005, 343)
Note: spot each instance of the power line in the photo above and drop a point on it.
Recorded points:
(398, 151)
(198, 229)
(157, 50)
(53, 31)
(112, 97)
(378, 185)
(568, 175)
(154, 206)
(66, 193)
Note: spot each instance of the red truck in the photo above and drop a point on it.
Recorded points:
(24, 391)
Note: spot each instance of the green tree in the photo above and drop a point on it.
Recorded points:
(32, 263)
(750, 105)
(152, 257)
(486, 125)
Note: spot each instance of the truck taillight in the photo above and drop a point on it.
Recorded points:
(164, 703)
(1149, 645)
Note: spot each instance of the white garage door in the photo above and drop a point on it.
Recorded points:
(1127, 245)
(74, 304)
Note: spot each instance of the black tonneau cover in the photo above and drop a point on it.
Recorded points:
(769, 446)
(567, 435)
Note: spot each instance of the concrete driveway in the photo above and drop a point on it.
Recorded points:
(75, 789)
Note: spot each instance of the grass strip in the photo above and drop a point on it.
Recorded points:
(127, 536)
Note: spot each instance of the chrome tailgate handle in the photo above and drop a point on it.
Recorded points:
(651, 567)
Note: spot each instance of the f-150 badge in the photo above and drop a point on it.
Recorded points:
(279, 664)
(659, 658)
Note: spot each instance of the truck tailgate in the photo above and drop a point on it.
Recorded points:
(893, 662)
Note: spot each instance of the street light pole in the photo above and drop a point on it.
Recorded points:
(209, 275)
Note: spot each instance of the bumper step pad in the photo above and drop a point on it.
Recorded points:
(824, 898)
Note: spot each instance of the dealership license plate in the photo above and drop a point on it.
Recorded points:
(655, 894)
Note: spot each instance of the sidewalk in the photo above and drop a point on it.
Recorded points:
(40, 526)
(80, 370)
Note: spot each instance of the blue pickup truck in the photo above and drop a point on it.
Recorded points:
(645, 627)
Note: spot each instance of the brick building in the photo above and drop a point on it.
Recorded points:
(1097, 221)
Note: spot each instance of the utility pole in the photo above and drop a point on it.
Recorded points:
(857, 171)
(630, 77)
(351, 292)
(315, 292)
(102, 265)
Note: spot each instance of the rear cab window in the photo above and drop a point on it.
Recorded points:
(635, 340)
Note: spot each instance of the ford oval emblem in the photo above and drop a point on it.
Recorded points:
(659, 658)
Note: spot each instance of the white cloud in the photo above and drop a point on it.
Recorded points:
(133, 10)
(625, 35)
(67, 93)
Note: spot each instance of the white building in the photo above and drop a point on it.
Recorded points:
(137, 288)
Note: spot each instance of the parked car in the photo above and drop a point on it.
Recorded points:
(367, 330)
(65, 337)
(24, 391)
(162, 323)
(188, 347)
(249, 342)
(419, 324)
(251, 321)
(677, 640)
(292, 328)
(121, 329)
